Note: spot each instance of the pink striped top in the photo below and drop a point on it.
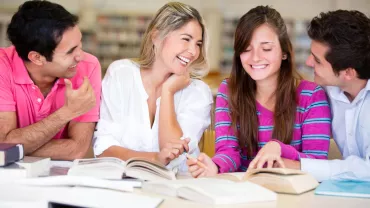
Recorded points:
(311, 136)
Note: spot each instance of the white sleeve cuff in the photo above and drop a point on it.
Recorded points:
(102, 143)
(319, 169)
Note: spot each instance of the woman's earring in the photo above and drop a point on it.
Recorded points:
(284, 56)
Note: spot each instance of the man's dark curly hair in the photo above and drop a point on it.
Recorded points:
(39, 26)
(347, 33)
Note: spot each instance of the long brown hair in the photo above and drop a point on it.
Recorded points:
(242, 88)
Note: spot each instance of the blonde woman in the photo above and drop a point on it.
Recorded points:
(148, 107)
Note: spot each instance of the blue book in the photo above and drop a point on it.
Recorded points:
(344, 188)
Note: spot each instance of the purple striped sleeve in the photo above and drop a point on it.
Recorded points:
(316, 129)
(227, 156)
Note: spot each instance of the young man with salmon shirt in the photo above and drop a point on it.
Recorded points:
(49, 88)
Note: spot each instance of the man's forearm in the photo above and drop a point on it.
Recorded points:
(34, 136)
(169, 127)
(62, 149)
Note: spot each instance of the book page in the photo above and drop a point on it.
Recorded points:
(235, 176)
(276, 171)
(148, 170)
(108, 160)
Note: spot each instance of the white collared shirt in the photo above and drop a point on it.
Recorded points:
(124, 115)
(351, 132)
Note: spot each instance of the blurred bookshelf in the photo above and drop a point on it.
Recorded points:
(4, 22)
(297, 30)
(115, 36)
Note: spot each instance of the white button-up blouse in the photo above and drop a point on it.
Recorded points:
(124, 115)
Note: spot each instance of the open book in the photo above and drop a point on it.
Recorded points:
(114, 168)
(281, 180)
(211, 190)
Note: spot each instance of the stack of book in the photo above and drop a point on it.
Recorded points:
(13, 164)
(10, 153)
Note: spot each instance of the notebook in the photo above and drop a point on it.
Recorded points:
(344, 188)
(114, 168)
(280, 180)
(211, 191)
(10, 153)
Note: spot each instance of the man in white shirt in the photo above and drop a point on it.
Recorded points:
(340, 57)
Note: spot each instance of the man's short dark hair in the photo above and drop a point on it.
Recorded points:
(347, 33)
(39, 26)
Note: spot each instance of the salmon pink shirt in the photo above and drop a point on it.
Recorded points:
(19, 94)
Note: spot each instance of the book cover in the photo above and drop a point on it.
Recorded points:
(10, 153)
(344, 188)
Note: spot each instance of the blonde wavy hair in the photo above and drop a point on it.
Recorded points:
(170, 17)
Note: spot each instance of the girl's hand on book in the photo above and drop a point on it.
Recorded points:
(202, 166)
(291, 164)
(270, 154)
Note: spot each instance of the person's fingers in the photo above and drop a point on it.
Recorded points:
(186, 146)
(89, 89)
(202, 157)
(176, 152)
(85, 85)
(171, 156)
(193, 168)
(191, 162)
(68, 84)
(181, 144)
(280, 162)
(177, 146)
(167, 154)
(270, 163)
(187, 140)
(197, 172)
(261, 162)
(202, 174)
(252, 165)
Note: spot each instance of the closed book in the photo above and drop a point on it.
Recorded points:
(344, 188)
(35, 166)
(10, 153)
